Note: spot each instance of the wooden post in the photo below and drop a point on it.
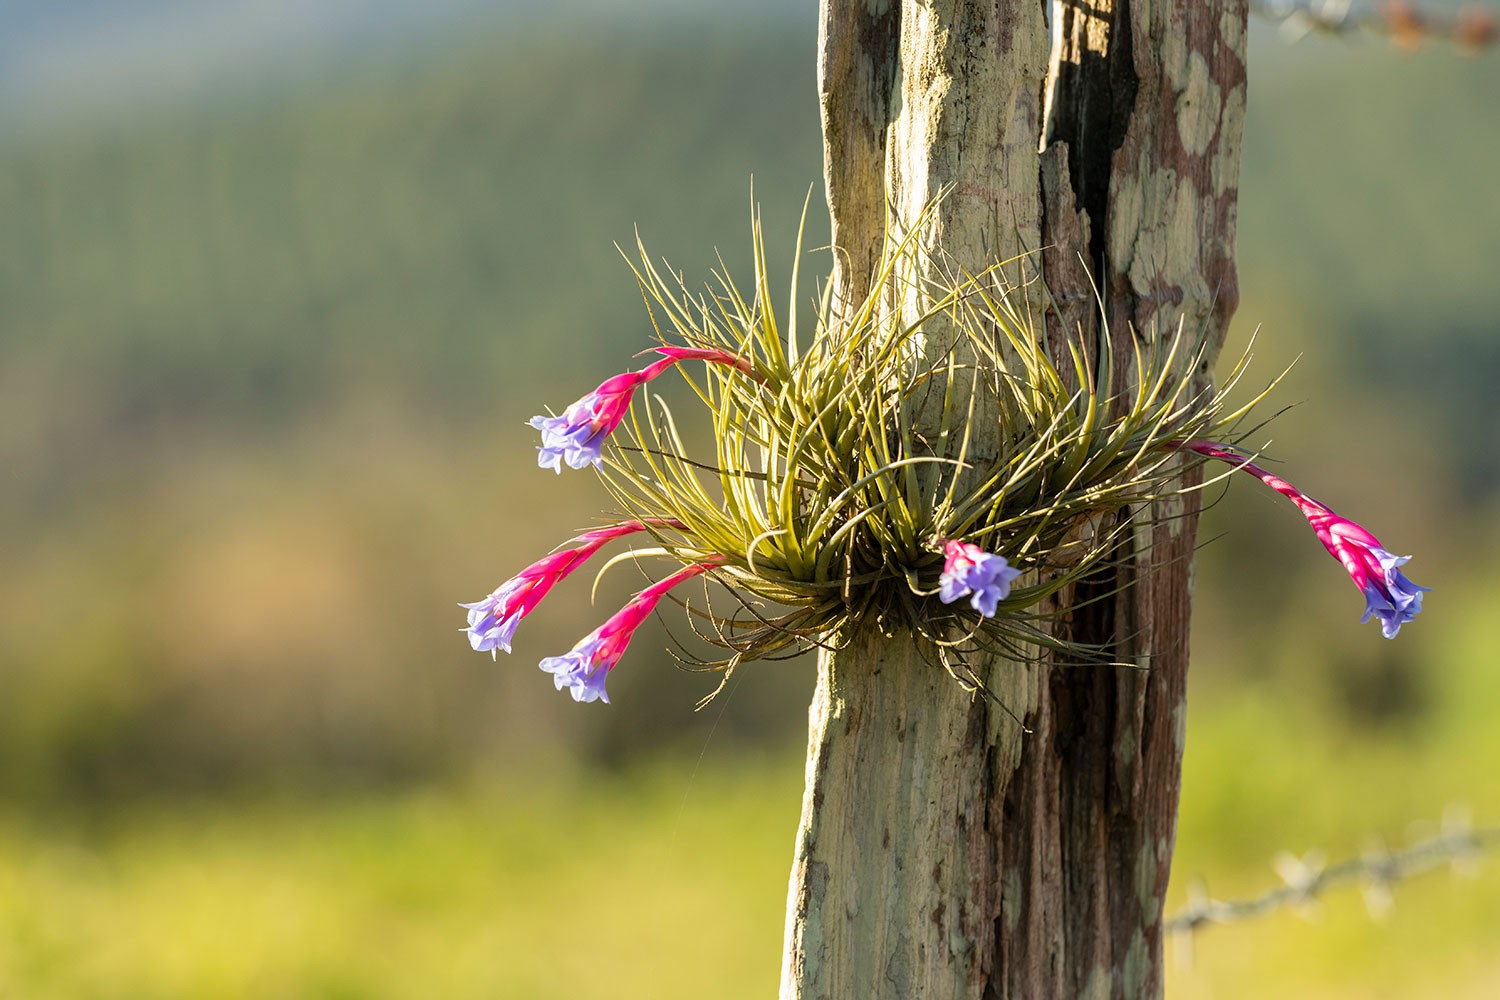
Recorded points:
(944, 853)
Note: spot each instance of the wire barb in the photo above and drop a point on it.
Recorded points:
(1376, 871)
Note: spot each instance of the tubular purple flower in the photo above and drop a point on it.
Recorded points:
(577, 671)
(968, 569)
(1389, 595)
(493, 621)
(584, 668)
(577, 437)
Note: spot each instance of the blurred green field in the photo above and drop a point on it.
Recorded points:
(668, 879)
(265, 364)
(650, 884)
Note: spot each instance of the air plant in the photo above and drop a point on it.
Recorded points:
(874, 461)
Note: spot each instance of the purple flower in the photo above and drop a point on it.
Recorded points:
(577, 437)
(1389, 595)
(584, 669)
(577, 670)
(968, 569)
(493, 621)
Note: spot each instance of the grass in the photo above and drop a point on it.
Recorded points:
(652, 884)
(668, 879)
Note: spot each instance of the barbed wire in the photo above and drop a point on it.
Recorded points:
(1408, 24)
(1376, 871)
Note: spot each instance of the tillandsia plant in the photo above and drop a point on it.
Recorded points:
(846, 482)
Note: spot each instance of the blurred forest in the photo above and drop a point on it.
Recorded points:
(266, 357)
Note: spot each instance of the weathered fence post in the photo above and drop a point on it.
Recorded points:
(942, 852)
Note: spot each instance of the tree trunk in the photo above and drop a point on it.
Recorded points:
(943, 852)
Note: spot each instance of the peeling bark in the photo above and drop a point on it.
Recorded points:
(942, 852)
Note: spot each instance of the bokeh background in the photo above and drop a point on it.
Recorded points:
(281, 283)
